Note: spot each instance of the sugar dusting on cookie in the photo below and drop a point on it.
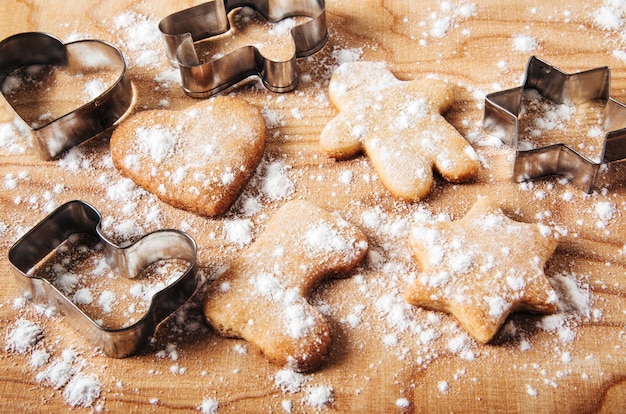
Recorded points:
(548, 351)
(507, 269)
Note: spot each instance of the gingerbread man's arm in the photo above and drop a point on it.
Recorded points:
(340, 139)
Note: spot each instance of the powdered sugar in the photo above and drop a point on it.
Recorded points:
(24, 335)
(289, 381)
(324, 238)
(524, 43)
(82, 390)
(609, 15)
(239, 231)
(156, 141)
(297, 319)
(209, 406)
(276, 183)
(319, 396)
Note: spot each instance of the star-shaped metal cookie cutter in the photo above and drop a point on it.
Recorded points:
(502, 110)
(200, 80)
(78, 217)
(90, 119)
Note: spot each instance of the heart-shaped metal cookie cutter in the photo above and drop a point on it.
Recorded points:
(78, 217)
(200, 80)
(35, 48)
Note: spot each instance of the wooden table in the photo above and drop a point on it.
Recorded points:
(375, 363)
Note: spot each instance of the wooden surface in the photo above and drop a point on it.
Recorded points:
(376, 364)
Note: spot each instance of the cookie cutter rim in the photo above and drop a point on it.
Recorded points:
(501, 118)
(79, 217)
(200, 80)
(55, 137)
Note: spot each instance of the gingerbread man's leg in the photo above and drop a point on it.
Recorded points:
(262, 296)
(457, 160)
(406, 173)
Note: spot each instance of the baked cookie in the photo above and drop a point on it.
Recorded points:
(398, 124)
(482, 267)
(198, 159)
(262, 296)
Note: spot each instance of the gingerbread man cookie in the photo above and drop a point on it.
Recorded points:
(262, 296)
(198, 159)
(482, 267)
(398, 124)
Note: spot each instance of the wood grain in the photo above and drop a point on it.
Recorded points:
(580, 368)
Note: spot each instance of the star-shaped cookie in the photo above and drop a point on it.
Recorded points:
(399, 126)
(482, 268)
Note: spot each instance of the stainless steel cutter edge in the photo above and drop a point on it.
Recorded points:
(79, 217)
(501, 119)
(53, 138)
(180, 30)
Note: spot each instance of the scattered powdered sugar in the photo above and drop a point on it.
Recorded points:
(573, 299)
(289, 381)
(297, 318)
(610, 15)
(106, 301)
(531, 391)
(524, 43)
(94, 88)
(342, 56)
(208, 406)
(402, 403)
(448, 17)
(239, 231)
(276, 183)
(319, 396)
(325, 239)
(82, 390)
(604, 211)
(282, 27)
(11, 140)
(23, 336)
(157, 141)
(39, 358)
(141, 37)
(60, 371)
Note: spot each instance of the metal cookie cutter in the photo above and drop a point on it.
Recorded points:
(34, 48)
(502, 115)
(79, 217)
(200, 80)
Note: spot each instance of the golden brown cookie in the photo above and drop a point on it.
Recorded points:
(262, 296)
(398, 124)
(198, 159)
(482, 268)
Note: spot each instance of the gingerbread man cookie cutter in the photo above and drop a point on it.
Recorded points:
(78, 217)
(200, 80)
(34, 48)
(501, 117)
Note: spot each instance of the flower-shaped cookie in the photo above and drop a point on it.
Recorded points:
(482, 267)
(398, 124)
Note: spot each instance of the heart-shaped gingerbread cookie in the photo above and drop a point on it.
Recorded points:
(198, 159)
